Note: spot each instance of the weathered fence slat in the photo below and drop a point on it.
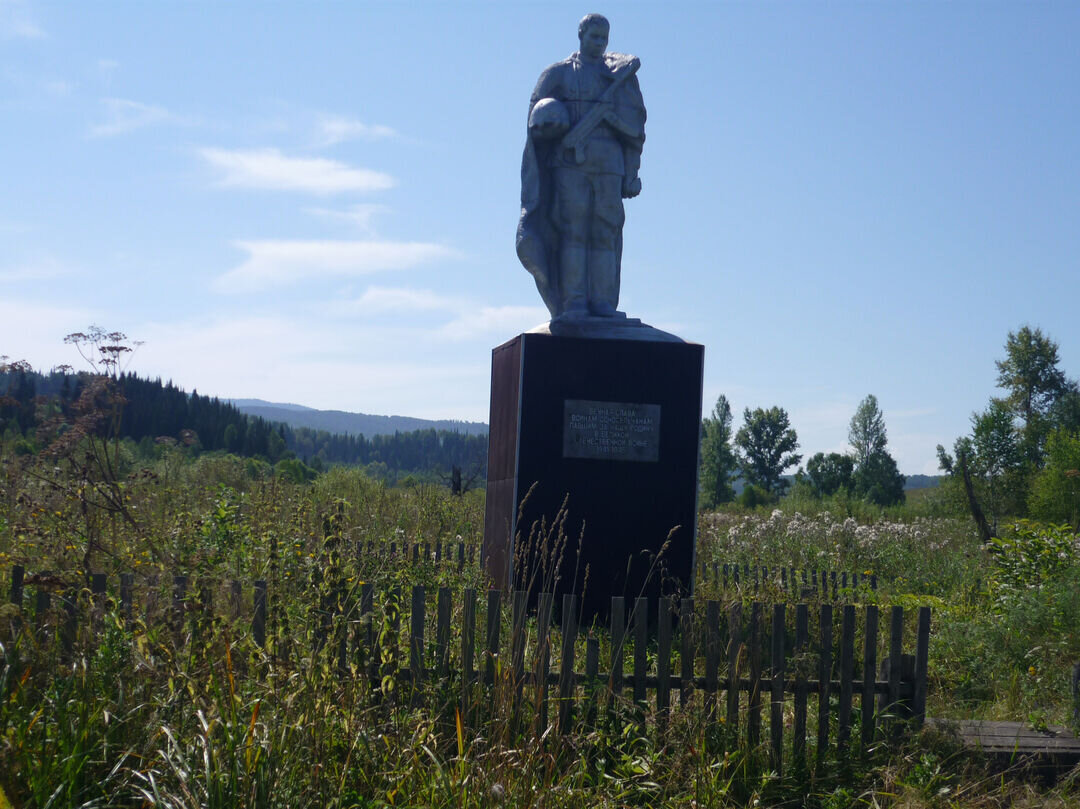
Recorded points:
(566, 662)
(776, 714)
(468, 646)
(847, 674)
(712, 656)
(618, 640)
(734, 649)
(543, 646)
(442, 633)
(494, 622)
(641, 644)
(663, 658)
(18, 572)
(896, 649)
(922, 648)
(416, 643)
(869, 674)
(592, 678)
(824, 679)
(686, 651)
(802, 639)
(753, 714)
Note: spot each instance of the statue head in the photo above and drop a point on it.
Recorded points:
(593, 35)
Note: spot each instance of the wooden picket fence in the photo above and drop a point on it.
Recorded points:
(835, 585)
(735, 660)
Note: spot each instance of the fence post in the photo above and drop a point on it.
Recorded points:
(663, 660)
(802, 640)
(641, 643)
(753, 719)
(824, 680)
(618, 633)
(543, 646)
(566, 665)
(869, 675)
(494, 610)
(416, 644)
(776, 683)
(686, 651)
(468, 647)
(921, 654)
(712, 657)
(847, 676)
(734, 649)
(442, 633)
(592, 677)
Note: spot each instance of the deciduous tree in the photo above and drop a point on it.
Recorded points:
(718, 461)
(767, 443)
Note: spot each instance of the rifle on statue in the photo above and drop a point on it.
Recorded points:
(575, 138)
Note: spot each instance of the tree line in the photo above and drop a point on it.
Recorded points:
(155, 412)
(763, 449)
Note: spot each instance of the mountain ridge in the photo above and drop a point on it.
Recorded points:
(344, 422)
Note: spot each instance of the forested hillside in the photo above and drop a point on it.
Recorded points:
(153, 411)
(340, 421)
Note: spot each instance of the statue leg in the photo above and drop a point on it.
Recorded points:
(572, 201)
(605, 228)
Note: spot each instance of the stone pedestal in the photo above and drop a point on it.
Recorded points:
(610, 428)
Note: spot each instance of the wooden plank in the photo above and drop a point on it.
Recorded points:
(517, 646)
(416, 643)
(753, 713)
(442, 633)
(870, 639)
(686, 651)
(896, 650)
(592, 677)
(663, 659)
(641, 647)
(460, 556)
(847, 676)
(824, 680)
(618, 640)
(543, 644)
(802, 640)
(566, 663)
(922, 648)
(776, 714)
(468, 646)
(494, 622)
(258, 617)
(734, 649)
(97, 603)
(712, 656)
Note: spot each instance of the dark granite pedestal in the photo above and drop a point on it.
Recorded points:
(608, 427)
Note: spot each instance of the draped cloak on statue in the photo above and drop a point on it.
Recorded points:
(537, 235)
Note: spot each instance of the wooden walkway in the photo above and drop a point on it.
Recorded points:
(1015, 740)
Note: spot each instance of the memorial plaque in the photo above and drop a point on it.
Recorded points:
(611, 431)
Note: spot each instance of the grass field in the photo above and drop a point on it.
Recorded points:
(148, 714)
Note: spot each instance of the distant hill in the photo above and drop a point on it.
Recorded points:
(922, 481)
(339, 421)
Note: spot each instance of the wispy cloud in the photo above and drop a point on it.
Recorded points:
(335, 129)
(494, 319)
(17, 23)
(360, 215)
(125, 115)
(377, 300)
(278, 263)
(270, 169)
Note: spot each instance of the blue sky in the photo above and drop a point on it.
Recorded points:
(316, 202)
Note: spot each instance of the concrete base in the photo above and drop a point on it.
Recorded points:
(593, 440)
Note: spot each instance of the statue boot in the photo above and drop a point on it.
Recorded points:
(573, 283)
(603, 283)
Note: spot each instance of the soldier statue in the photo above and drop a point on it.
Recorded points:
(585, 133)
